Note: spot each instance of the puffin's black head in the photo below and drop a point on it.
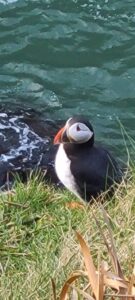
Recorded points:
(77, 130)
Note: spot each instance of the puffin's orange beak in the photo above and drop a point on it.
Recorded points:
(57, 139)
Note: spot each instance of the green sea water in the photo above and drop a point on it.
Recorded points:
(66, 57)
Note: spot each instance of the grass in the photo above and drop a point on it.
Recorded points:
(38, 241)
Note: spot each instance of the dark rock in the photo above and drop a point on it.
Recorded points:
(26, 144)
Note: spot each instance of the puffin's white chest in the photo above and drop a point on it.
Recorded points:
(62, 167)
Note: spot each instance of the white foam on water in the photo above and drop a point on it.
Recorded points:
(27, 139)
(6, 158)
(2, 126)
(3, 115)
(5, 2)
(1, 134)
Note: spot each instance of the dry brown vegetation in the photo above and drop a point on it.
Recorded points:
(102, 283)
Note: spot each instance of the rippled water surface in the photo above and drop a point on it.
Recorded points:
(64, 57)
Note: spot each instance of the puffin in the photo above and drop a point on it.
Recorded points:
(84, 168)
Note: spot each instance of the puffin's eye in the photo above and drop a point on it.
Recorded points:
(78, 128)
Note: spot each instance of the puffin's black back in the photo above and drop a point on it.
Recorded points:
(93, 168)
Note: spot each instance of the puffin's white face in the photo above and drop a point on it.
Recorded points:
(78, 132)
(75, 131)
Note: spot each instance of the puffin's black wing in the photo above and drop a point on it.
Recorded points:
(95, 171)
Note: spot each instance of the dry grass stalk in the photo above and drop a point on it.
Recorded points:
(67, 284)
(53, 289)
(90, 267)
(100, 280)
